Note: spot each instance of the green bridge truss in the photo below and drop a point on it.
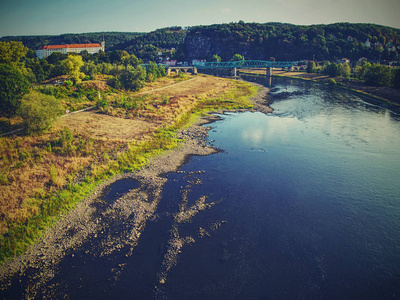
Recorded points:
(245, 64)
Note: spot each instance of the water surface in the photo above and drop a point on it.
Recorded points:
(311, 201)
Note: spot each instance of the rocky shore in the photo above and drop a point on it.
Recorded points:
(93, 218)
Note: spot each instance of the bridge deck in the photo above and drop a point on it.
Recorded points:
(245, 64)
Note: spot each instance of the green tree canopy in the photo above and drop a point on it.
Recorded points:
(12, 52)
(13, 85)
(153, 72)
(131, 60)
(73, 66)
(311, 66)
(216, 58)
(237, 57)
(379, 75)
(344, 70)
(133, 78)
(331, 69)
(38, 111)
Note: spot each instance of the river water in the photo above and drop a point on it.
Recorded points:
(303, 203)
(311, 199)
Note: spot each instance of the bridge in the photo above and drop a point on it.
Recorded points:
(234, 65)
(168, 68)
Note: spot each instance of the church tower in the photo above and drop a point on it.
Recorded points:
(103, 45)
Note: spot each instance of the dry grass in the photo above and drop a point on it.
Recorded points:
(33, 167)
(105, 127)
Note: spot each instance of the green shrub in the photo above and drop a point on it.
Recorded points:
(38, 111)
(165, 99)
(68, 83)
(102, 103)
(332, 82)
(3, 179)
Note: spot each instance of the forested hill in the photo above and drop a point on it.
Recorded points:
(144, 45)
(113, 39)
(252, 40)
(292, 42)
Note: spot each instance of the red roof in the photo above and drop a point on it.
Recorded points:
(83, 45)
(53, 47)
(70, 46)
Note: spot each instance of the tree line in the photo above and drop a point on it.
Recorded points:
(373, 74)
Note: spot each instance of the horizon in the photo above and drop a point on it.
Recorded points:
(47, 17)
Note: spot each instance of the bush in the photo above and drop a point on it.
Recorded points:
(38, 111)
(332, 82)
(102, 103)
(68, 83)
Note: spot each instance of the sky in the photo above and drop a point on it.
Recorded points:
(53, 17)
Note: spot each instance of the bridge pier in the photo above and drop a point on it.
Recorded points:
(269, 71)
(234, 72)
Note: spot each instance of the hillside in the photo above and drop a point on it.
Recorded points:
(252, 40)
(292, 42)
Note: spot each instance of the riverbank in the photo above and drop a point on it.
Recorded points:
(94, 216)
(386, 95)
(86, 219)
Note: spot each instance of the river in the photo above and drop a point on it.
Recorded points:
(303, 203)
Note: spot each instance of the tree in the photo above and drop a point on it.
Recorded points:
(379, 75)
(38, 111)
(131, 60)
(237, 57)
(344, 70)
(73, 66)
(56, 57)
(311, 66)
(161, 70)
(90, 69)
(13, 85)
(361, 71)
(133, 78)
(12, 52)
(118, 56)
(152, 72)
(216, 58)
(331, 69)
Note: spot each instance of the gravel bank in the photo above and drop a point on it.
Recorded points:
(32, 271)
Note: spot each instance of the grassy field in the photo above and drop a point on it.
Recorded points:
(43, 176)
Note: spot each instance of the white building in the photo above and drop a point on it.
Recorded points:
(45, 51)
